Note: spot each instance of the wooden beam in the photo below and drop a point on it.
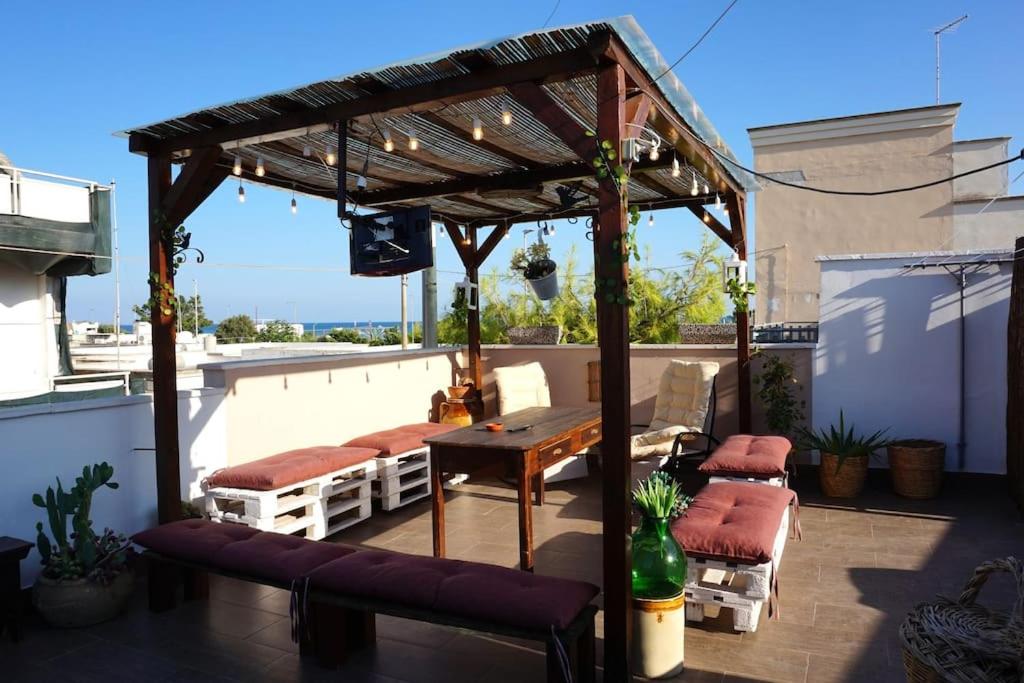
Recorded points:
(549, 68)
(664, 116)
(492, 241)
(461, 243)
(738, 221)
(165, 371)
(473, 317)
(637, 108)
(613, 340)
(557, 120)
(342, 166)
(193, 185)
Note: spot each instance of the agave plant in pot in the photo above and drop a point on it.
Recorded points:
(659, 577)
(537, 267)
(844, 456)
(85, 579)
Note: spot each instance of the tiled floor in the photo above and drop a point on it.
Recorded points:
(844, 590)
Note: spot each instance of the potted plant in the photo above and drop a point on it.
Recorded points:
(85, 579)
(844, 457)
(659, 577)
(537, 267)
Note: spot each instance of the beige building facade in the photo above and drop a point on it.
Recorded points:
(870, 152)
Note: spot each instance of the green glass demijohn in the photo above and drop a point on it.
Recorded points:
(659, 563)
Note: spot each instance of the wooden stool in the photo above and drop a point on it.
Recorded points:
(12, 552)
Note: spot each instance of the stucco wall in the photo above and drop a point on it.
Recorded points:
(27, 316)
(997, 228)
(888, 355)
(794, 226)
(44, 442)
(968, 154)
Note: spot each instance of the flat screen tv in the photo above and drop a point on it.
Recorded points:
(391, 243)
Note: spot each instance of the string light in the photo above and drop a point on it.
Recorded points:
(360, 182)
(260, 169)
(295, 205)
(241, 192)
(414, 142)
(237, 168)
(707, 190)
(478, 128)
(650, 219)
(718, 202)
(694, 191)
(389, 144)
(331, 155)
(707, 217)
(307, 151)
(676, 172)
(506, 113)
(653, 156)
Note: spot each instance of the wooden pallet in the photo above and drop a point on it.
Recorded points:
(410, 493)
(713, 584)
(781, 482)
(347, 504)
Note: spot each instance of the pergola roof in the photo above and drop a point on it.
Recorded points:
(513, 173)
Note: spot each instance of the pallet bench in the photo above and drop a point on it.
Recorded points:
(352, 590)
(749, 458)
(734, 534)
(310, 492)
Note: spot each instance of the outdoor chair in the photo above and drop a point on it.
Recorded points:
(526, 386)
(684, 417)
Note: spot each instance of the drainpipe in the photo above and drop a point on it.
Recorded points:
(961, 444)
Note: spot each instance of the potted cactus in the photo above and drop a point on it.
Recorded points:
(85, 579)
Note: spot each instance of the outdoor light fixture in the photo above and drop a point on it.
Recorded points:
(707, 217)
(295, 206)
(331, 155)
(237, 168)
(414, 142)
(675, 167)
(735, 269)
(389, 144)
(718, 202)
(260, 170)
(307, 150)
(360, 182)
(694, 191)
(654, 154)
(650, 219)
(548, 230)
(707, 190)
(506, 113)
(478, 128)
(241, 193)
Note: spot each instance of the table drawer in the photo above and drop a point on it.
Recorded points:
(591, 435)
(556, 451)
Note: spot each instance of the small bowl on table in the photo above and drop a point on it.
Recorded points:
(494, 427)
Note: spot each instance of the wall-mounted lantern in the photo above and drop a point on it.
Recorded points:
(735, 269)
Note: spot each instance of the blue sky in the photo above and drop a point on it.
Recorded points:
(76, 72)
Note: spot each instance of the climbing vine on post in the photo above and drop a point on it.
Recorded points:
(616, 289)
(740, 293)
(162, 297)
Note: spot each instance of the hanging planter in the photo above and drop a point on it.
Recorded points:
(537, 267)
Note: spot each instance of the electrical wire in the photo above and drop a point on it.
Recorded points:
(552, 14)
(700, 40)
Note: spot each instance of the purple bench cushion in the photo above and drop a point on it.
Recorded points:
(463, 589)
(400, 439)
(733, 522)
(290, 467)
(262, 555)
(745, 455)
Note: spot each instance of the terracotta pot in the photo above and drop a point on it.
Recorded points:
(455, 413)
(848, 482)
(459, 392)
(78, 603)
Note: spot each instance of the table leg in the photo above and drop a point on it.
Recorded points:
(538, 489)
(437, 499)
(525, 519)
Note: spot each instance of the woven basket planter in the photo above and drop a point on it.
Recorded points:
(848, 481)
(963, 642)
(916, 467)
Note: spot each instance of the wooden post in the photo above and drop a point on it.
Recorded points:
(473, 315)
(738, 223)
(613, 339)
(165, 377)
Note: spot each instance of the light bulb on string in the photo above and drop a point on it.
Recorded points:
(237, 168)
(360, 182)
(506, 113)
(718, 202)
(260, 169)
(707, 190)
(389, 144)
(478, 128)
(707, 217)
(295, 204)
(676, 172)
(331, 155)
(414, 142)
(650, 219)
(694, 191)
(307, 151)
(241, 193)
(654, 154)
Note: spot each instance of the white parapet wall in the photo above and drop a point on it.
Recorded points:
(41, 443)
(888, 352)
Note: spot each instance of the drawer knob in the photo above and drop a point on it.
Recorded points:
(557, 451)
(594, 430)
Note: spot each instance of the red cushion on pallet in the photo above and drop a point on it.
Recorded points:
(400, 439)
(290, 467)
(746, 455)
(733, 522)
(261, 555)
(453, 587)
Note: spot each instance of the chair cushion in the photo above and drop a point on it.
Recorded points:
(464, 589)
(683, 394)
(749, 456)
(733, 522)
(290, 467)
(193, 540)
(400, 439)
(520, 387)
(262, 555)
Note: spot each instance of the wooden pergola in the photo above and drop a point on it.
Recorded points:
(404, 136)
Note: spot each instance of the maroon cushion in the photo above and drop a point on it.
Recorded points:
(290, 467)
(193, 540)
(453, 587)
(261, 555)
(400, 439)
(733, 521)
(749, 456)
(277, 557)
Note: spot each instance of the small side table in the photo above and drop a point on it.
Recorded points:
(12, 552)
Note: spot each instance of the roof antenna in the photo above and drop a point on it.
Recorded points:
(951, 26)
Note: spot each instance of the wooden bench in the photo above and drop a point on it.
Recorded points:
(346, 594)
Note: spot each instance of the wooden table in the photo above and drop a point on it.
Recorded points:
(12, 552)
(554, 435)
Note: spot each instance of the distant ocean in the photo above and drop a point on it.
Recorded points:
(320, 327)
